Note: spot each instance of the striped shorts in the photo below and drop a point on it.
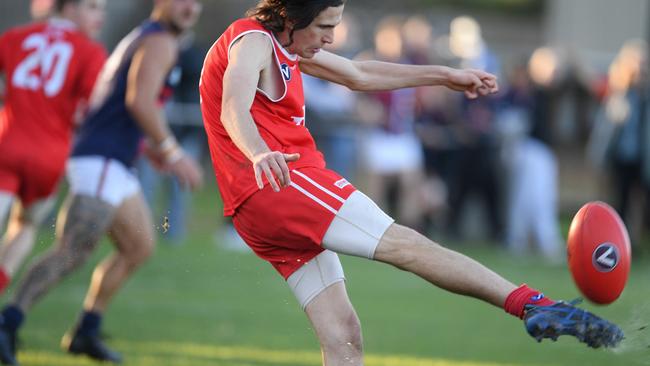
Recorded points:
(300, 229)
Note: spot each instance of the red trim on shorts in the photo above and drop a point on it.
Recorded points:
(102, 179)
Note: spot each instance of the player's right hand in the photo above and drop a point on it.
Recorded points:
(273, 165)
(474, 83)
(187, 171)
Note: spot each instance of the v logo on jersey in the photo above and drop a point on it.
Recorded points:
(286, 72)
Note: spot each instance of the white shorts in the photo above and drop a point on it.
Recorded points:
(103, 178)
(356, 230)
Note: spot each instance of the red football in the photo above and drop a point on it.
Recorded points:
(599, 252)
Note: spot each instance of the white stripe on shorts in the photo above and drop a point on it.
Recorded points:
(320, 202)
(334, 195)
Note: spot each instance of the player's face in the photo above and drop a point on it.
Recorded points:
(309, 41)
(90, 16)
(182, 14)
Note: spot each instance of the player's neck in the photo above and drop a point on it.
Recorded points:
(61, 20)
(285, 40)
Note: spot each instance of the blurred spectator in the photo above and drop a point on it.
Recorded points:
(434, 123)
(437, 127)
(391, 154)
(531, 168)
(466, 42)
(184, 116)
(619, 140)
(475, 167)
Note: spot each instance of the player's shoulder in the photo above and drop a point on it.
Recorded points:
(159, 47)
(20, 31)
(255, 39)
(246, 24)
(244, 27)
(165, 41)
(253, 45)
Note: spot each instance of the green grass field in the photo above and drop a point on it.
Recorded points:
(196, 305)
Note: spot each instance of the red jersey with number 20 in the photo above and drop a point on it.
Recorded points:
(281, 121)
(49, 67)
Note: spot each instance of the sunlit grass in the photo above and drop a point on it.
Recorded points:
(197, 305)
(185, 354)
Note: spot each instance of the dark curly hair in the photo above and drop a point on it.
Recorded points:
(273, 14)
(60, 4)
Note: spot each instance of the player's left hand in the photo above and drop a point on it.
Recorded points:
(472, 82)
(154, 156)
(187, 171)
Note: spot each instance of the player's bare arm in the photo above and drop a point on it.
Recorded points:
(249, 57)
(151, 64)
(378, 75)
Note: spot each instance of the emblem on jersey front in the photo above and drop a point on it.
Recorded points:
(286, 72)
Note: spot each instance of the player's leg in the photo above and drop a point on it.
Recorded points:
(291, 243)
(6, 200)
(35, 189)
(81, 223)
(133, 236)
(130, 228)
(320, 289)
(21, 232)
(132, 233)
(408, 250)
(337, 327)
(9, 186)
(360, 228)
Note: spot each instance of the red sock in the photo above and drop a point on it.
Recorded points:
(522, 296)
(4, 280)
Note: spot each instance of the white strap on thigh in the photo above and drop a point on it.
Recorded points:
(315, 276)
(357, 227)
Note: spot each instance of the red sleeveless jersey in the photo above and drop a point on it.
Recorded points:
(281, 122)
(49, 67)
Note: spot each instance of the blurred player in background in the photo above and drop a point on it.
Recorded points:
(105, 195)
(50, 68)
(296, 214)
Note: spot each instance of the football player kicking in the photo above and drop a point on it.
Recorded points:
(297, 215)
